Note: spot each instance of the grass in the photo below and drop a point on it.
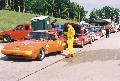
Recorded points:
(1, 41)
(9, 19)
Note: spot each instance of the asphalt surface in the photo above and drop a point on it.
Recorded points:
(99, 61)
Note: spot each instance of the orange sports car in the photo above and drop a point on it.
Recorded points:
(35, 46)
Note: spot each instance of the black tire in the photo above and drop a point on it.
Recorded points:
(82, 44)
(6, 38)
(91, 41)
(41, 55)
(59, 52)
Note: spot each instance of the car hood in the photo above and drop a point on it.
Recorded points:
(24, 44)
(8, 31)
(27, 42)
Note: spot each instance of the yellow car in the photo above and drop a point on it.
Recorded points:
(35, 46)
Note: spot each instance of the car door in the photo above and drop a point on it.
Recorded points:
(51, 47)
(60, 45)
(85, 37)
(26, 30)
(18, 33)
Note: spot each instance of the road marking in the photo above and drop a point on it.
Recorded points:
(40, 69)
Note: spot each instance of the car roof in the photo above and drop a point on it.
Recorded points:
(39, 18)
(40, 31)
(43, 31)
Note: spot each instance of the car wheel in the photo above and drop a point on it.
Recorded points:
(82, 44)
(41, 55)
(59, 52)
(91, 41)
(6, 38)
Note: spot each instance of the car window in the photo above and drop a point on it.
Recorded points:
(52, 37)
(19, 27)
(37, 36)
(26, 27)
(45, 36)
(100, 30)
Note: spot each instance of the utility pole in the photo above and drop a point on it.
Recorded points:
(78, 17)
(24, 6)
(6, 2)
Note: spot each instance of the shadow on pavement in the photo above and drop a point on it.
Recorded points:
(95, 55)
(55, 54)
(5, 58)
(16, 59)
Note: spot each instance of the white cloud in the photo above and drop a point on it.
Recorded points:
(91, 4)
(98, 3)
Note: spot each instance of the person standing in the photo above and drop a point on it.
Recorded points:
(53, 24)
(70, 37)
(107, 28)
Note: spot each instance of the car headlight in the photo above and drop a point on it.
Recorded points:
(63, 44)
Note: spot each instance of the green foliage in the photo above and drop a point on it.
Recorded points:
(7, 7)
(9, 19)
(57, 8)
(105, 13)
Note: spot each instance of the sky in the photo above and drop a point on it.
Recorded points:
(98, 4)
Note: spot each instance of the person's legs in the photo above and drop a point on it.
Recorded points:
(68, 52)
(108, 33)
(70, 47)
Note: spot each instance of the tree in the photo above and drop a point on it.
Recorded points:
(2, 4)
(105, 13)
(56, 8)
(94, 15)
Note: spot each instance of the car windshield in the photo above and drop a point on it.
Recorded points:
(37, 36)
(19, 27)
(92, 29)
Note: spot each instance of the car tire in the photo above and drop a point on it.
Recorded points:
(82, 44)
(91, 41)
(59, 52)
(41, 55)
(9, 57)
(6, 38)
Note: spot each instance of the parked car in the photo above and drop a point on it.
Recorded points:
(118, 27)
(82, 38)
(93, 33)
(90, 35)
(100, 32)
(113, 29)
(35, 46)
(18, 33)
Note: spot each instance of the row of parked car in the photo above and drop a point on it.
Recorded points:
(87, 34)
(83, 35)
(37, 44)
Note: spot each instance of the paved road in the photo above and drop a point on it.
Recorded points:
(97, 62)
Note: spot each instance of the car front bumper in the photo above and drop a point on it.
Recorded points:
(18, 53)
(97, 37)
(77, 42)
